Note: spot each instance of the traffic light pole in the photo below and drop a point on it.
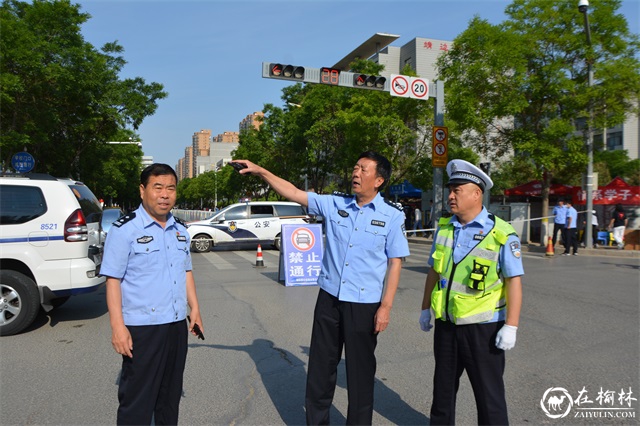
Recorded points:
(335, 77)
(438, 172)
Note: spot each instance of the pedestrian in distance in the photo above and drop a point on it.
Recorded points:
(474, 289)
(149, 285)
(559, 222)
(365, 242)
(571, 230)
(417, 223)
(617, 225)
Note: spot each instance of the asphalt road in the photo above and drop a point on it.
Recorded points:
(579, 331)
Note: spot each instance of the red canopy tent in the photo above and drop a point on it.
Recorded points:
(615, 192)
(534, 188)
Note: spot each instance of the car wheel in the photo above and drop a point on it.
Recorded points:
(201, 243)
(19, 302)
(277, 242)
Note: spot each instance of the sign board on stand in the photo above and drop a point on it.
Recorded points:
(439, 153)
(301, 254)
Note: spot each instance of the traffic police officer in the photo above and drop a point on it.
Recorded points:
(474, 289)
(149, 284)
(365, 239)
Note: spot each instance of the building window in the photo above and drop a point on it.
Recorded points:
(614, 141)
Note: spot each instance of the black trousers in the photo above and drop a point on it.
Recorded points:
(472, 348)
(562, 228)
(572, 240)
(151, 381)
(337, 324)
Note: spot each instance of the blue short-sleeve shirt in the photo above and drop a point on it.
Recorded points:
(151, 263)
(360, 242)
(573, 214)
(560, 213)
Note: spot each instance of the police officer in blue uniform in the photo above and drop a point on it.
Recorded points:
(474, 289)
(149, 285)
(364, 240)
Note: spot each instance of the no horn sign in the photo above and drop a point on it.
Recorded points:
(409, 87)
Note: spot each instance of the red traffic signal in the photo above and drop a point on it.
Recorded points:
(287, 72)
(365, 81)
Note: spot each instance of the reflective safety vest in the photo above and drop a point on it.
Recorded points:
(470, 291)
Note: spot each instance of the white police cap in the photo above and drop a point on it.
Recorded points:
(461, 171)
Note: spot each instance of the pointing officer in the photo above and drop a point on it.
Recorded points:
(365, 243)
(475, 292)
(149, 285)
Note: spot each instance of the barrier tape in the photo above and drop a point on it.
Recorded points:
(511, 221)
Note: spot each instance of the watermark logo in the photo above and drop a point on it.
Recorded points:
(557, 403)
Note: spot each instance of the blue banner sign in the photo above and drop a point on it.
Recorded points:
(301, 254)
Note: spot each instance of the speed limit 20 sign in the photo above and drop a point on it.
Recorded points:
(440, 149)
(409, 87)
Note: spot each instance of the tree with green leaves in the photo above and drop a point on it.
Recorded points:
(62, 98)
(521, 86)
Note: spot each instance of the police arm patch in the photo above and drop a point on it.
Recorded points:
(515, 249)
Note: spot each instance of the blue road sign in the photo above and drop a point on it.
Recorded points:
(23, 162)
(301, 254)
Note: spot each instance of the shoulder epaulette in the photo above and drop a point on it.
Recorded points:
(341, 194)
(394, 205)
(180, 221)
(124, 219)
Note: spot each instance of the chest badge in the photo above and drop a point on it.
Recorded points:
(343, 213)
(378, 223)
(145, 240)
(182, 238)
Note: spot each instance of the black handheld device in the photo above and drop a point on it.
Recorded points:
(196, 328)
(238, 166)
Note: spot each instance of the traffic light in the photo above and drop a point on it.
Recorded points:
(364, 81)
(286, 72)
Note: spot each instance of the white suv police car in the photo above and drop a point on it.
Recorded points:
(50, 246)
(253, 222)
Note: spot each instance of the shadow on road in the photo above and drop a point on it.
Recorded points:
(283, 375)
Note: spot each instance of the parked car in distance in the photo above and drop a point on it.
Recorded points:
(253, 222)
(109, 215)
(50, 245)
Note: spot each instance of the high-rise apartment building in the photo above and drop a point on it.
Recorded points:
(227, 137)
(180, 171)
(188, 162)
(200, 141)
(252, 121)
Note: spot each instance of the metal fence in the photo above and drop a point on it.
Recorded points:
(191, 215)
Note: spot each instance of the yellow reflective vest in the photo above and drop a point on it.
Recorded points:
(470, 291)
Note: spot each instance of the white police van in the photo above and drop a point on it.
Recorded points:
(253, 222)
(50, 245)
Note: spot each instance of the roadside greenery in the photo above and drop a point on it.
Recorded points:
(62, 99)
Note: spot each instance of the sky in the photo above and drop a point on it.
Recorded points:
(208, 54)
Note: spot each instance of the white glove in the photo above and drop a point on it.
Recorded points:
(506, 338)
(425, 320)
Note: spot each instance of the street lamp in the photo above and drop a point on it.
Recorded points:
(583, 6)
